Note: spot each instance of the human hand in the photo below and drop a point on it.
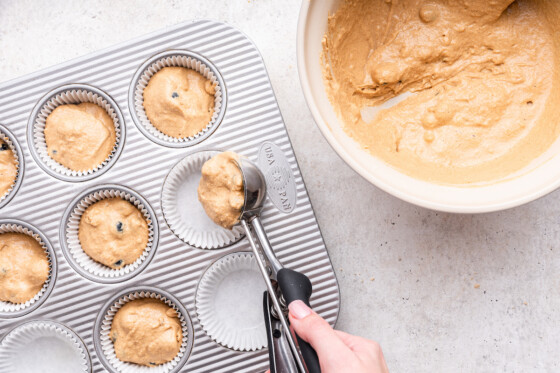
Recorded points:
(338, 352)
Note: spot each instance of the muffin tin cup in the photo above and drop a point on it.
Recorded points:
(72, 94)
(243, 328)
(8, 309)
(23, 335)
(184, 213)
(14, 146)
(70, 242)
(178, 58)
(104, 346)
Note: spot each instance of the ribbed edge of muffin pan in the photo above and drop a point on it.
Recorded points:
(102, 328)
(8, 309)
(199, 231)
(12, 142)
(29, 331)
(181, 58)
(72, 94)
(70, 243)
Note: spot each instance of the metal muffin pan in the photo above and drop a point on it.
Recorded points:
(251, 125)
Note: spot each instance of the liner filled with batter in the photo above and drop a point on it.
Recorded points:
(73, 97)
(104, 340)
(193, 68)
(30, 299)
(74, 249)
(9, 166)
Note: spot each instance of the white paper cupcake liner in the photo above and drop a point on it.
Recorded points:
(11, 141)
(43, 346)
(72, 248)
(72, 94)
(105, 348)
(181, 59)
(229, 303)
(184, 213)
(9, 309)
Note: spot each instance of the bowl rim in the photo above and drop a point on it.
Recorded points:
(400, 193)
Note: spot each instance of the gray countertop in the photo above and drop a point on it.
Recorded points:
(440, 292)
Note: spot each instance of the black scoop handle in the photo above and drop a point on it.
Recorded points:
(296, 286)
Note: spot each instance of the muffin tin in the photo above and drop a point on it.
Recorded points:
(249, 123)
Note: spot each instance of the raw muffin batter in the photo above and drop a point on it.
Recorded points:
(8, 168)
(24, 267)
(179, 101)
(477, 74)
(113, 232)
(221, 189)
(80, 137)
(146, 332)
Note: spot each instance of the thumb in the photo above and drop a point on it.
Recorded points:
(313, 329)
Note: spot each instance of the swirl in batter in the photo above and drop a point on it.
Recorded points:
(473, 85)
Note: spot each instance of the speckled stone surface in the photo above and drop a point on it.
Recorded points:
(440, 292)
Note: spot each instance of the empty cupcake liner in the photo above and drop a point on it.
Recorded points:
(72, 94)
(179, 58)
(78, 258)
(104, 346)
(12, 143)
(43, 346)
(184, 213)
(8, 309)
(229, 303)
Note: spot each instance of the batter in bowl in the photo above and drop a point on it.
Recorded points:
(221, 189)
(179, 101)
(24, 267)
(471, 83)
(113, 232)
(8, 168)
(80, 137)
(146, 332)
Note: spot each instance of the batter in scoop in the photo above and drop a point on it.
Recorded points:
(146, 332)
(221, 189)
(475, 82)
(24, 267)
(113, 232)
(179, 101)
(8, 168)
(79, 137)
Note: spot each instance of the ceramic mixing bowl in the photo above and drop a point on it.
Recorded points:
(537, 179)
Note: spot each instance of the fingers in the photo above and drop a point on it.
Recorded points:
(356, 343)
(337, 351)
(316, 331)
(366, 350)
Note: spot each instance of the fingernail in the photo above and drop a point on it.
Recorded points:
(299, 310)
